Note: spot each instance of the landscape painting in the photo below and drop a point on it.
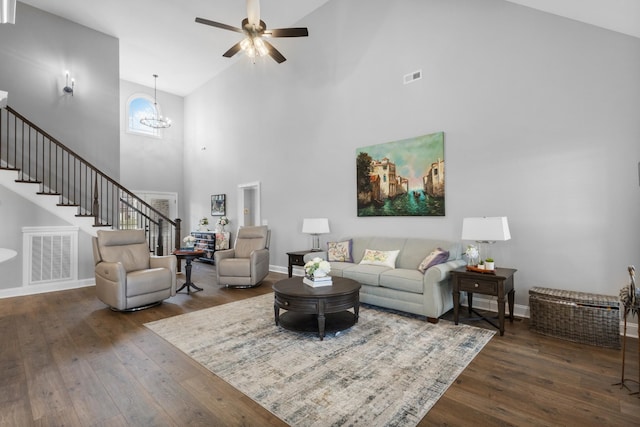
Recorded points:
(402, 178)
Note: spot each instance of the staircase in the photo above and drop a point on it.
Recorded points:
(36, 166)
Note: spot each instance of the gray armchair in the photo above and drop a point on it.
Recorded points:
(247, 264)
(128, 277)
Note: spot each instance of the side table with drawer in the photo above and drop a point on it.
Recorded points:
(499, 283)
(297, 258)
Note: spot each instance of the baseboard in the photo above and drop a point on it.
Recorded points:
(297, 271)
(48, 287)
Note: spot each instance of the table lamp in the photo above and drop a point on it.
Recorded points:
(485, 230)
(315, 227)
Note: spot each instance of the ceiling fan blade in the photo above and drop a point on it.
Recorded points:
(253, 12)
(232, 51)
(287, 32)
(218, 25)
(274, 53)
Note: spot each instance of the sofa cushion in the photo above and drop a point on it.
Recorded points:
(365, 274)
(437, 256)
(382, 258)
(403, 280)
(340, 251)
(337, 268)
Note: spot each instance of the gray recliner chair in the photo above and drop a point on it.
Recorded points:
(128, 277)
(247, 264)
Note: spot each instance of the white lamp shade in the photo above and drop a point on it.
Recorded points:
(486, 229)
(315, 226)
(7, 11)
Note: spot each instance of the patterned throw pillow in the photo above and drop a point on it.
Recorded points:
(340, 251)
(437, 256)
(383, 258)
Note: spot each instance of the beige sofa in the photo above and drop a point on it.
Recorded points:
(403, 288)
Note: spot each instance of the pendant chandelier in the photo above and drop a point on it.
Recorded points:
(156, 121)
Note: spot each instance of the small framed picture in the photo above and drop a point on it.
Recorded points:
(218, 204)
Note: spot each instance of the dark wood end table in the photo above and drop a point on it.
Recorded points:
(499, 284)
(188, 256)
(297, 258)
(320, 309)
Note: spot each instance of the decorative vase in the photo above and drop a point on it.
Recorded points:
(319, 273)
(489, 265)
(189, 245)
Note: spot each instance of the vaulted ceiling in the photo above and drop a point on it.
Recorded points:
(161, 37)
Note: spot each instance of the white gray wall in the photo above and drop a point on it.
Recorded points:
(34, 53)
(148, 163)
(540, 115)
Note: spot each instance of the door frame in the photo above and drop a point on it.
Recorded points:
(254, 187)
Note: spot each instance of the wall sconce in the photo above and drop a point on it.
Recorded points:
(3, 98)
(7, 11)
(69, 89)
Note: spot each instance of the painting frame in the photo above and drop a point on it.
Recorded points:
(218, 204)
(402, 178)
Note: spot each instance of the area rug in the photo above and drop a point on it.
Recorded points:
(387, 370)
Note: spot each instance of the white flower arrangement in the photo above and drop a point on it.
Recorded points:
(189, 239)
(223, 220)
(204, 221)
(473, 254)
(317, 265)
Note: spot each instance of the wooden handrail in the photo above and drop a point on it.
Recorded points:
(41, 158)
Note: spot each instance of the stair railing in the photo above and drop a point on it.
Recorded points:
(40, 158)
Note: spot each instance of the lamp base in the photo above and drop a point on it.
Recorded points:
(315, 247)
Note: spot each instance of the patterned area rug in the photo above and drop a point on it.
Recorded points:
(388, 369)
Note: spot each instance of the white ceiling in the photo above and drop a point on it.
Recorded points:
(161, 37)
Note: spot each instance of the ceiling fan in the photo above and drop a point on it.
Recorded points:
(254, 44)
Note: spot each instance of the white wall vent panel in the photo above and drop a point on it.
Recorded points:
(412, 77)
(50, 255)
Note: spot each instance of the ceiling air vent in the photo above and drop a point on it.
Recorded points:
(412, 77)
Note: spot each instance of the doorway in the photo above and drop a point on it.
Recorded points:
(249, 204)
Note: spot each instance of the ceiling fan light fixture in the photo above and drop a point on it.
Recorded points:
(254, 46)
(247, 46)
(258, 43)
(156, 121)
(254, 29)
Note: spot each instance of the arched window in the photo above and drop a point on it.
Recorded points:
(139, 106)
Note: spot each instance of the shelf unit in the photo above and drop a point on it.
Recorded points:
(210, 242)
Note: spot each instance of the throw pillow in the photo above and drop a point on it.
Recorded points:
(340, 251)
(437, 256)
(383, 258)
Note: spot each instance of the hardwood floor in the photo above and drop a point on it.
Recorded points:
(65, 359)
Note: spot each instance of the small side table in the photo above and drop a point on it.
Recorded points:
(297, 258)
(188, 256)
(499, 284)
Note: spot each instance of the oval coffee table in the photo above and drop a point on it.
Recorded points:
(321, 309)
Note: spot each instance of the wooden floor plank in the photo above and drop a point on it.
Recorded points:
(67, 358)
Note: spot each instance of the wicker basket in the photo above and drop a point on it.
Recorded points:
(575, 316)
